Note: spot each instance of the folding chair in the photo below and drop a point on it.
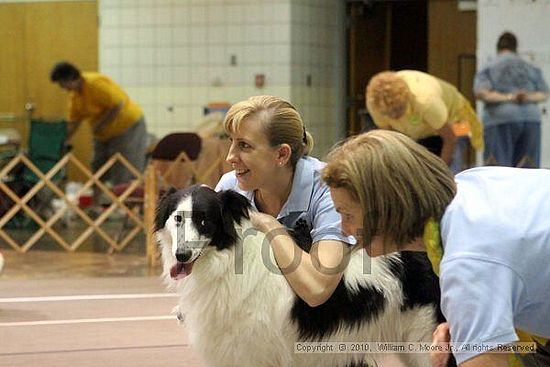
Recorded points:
(174, 165)
(211, 165)
(172, 159)
(46, 147)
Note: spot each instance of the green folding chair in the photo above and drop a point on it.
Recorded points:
(46, 146)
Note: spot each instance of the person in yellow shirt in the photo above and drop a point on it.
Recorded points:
(424, 108)
(117, 122)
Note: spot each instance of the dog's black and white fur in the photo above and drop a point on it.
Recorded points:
(240, 311)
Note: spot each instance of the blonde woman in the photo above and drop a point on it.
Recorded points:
(269, 155)
(423, 107)
(486, 232)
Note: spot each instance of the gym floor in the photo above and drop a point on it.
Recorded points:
(90, 309)
(87, 309)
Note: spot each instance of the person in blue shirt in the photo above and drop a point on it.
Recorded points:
(510, 89)
(486, 232)
(272, 168)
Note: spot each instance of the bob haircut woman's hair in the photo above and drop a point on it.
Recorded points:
(388, 94)
(398, 183)
(281, 122)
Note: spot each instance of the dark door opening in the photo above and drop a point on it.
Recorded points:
(381, 35)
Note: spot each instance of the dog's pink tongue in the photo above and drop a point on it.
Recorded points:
(178, 271)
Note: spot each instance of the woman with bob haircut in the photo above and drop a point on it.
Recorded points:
(425, 108)
(486, 232)
(269, 155)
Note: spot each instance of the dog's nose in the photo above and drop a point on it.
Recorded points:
(183, 255)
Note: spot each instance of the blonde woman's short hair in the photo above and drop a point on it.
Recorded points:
(281, 122)
(387, 94)
(398, 183)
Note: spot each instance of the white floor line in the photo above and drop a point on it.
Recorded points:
(84, 321)
(85, 297)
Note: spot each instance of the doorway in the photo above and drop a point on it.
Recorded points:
(381, 35)
(33, 37)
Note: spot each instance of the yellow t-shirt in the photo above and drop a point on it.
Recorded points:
(432, 103)
(98, 95)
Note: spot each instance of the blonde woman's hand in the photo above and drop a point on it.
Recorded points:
(441, 337)
(264, 222)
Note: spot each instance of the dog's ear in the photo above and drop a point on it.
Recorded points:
(234, 205)
(233, 208)
(165, 206)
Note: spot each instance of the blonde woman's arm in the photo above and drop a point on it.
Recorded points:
(313, 276)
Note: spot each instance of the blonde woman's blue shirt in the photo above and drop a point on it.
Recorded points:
(309, 202)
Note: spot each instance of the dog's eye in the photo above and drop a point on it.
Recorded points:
(203, 223)
(178, 218)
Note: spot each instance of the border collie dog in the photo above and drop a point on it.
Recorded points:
(239, 310)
